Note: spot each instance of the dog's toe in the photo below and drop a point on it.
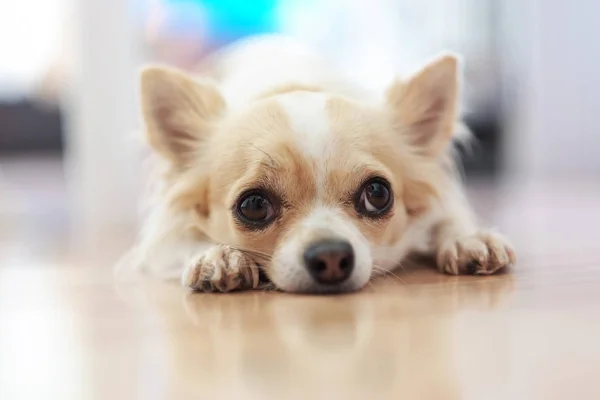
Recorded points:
(221, 269)
(481, 254)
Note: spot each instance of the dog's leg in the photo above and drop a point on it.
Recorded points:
(221, 269)
(462, 248)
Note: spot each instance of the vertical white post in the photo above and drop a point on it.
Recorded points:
(101, 115)
(554, 60)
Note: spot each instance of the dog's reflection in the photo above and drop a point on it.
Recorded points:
(390, 341)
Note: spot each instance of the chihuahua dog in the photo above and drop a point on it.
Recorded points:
(278, 169)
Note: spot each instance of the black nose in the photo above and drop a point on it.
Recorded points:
(329, 261)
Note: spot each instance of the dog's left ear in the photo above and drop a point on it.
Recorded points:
(425, 106)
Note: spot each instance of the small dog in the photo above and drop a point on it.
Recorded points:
(283, 171)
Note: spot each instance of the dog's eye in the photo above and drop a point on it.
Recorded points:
(255, 208)
(375, 198)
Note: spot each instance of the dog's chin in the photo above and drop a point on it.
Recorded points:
(302, 284)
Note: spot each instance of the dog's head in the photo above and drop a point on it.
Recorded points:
(315, 186)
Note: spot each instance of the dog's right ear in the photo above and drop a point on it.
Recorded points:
(178, 111)
(425, 106)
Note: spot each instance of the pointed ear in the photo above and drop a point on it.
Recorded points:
(425, 106)
(178, 111)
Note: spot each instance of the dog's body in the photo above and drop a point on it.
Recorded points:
(285, 167)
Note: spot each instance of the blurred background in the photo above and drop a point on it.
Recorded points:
(70, 167)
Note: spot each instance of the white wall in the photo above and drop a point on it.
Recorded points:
(374, 41)
(101, 111)
(553, 48)
(29, 36)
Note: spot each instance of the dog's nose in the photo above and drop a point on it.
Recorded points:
(329, 261)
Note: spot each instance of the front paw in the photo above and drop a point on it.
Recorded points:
(221, 269)
(482, 253)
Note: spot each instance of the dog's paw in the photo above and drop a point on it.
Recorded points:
(483, 253)
(221, 269)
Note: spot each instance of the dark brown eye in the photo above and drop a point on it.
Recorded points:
(255, 209)
(375, 198)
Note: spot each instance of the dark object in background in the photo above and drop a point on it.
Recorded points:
(26, 128)
(484, 158)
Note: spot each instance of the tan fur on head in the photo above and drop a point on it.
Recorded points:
(288, 88)
(309, 151)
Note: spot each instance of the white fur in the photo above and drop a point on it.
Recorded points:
(253, 65)
(310, 123)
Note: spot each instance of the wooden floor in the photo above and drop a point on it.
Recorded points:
(68, 331)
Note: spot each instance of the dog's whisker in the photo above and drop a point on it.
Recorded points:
(258, 256)
(254, 253)
(386, 272)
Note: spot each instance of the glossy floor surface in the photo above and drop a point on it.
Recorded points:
(67, 331)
